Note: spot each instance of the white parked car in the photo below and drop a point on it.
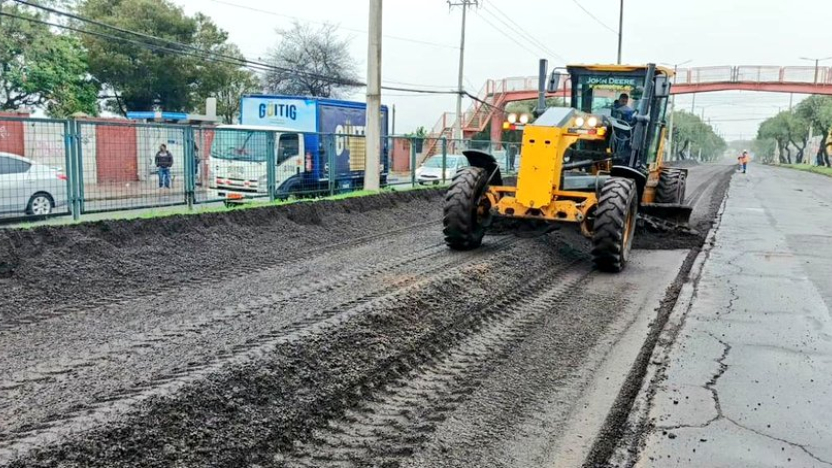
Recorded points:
(430, 172)
(29, 187)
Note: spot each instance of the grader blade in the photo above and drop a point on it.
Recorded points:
(670, 212)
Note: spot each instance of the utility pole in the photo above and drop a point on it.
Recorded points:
(393, 118)
(693, 104)
(373, 129)
(464, 4)
(620, 30)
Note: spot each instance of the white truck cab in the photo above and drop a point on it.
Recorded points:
(238, 159)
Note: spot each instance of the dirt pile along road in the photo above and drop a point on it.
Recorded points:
(331, 334)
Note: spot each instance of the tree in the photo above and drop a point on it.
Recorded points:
(692, 136)
(798, 133)
(322, 58)
(229, 84)
(43, 69)
(777, 129)
(142, 77)
(817, 111)
(764, 149)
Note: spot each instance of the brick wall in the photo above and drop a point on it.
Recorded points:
(11, 134)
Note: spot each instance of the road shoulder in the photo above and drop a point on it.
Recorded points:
(743, 377)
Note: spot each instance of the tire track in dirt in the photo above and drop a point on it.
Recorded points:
(123, 299)
(248, 309)
(711, 181)
(346, 336)
(426, 262)
(115, 405)
(389, 426)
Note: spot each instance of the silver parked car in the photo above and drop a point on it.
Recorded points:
(430, 172)
(30, 187)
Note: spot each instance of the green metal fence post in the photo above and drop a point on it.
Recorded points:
(444, 158)
(330, 158)
(79, 165)
(189, 166)
(413, 162)
(72, 179)
(271, 163)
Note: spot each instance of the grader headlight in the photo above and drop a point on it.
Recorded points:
(592, 122)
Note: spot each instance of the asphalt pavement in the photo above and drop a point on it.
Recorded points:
(747, 380)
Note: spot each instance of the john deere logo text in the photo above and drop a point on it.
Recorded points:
(286, 111)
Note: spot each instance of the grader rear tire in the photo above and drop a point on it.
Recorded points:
(671, 188)
(615, 223)
(466, 209)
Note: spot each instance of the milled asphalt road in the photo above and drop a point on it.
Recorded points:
(748, 381)
(329, 334)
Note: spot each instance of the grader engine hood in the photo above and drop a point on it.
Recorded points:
(544, 145)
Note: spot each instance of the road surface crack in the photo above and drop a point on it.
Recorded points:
(792, 444)
(710, 385)
(723, 367)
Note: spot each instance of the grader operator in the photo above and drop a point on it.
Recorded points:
(597, 163)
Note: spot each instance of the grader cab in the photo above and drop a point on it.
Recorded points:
(597, 164)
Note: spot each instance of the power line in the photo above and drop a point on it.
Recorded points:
(521, 30)
(237, 62)
(198, 53)
(510, 37)
(595, 17)
(283, 15)
(421, 85)
(203, 52)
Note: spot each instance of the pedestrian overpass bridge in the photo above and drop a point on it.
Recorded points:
(495, 94)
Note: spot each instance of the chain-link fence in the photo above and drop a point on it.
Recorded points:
(57, 167)
(34, 163)
(434, 161)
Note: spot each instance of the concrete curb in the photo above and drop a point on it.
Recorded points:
(629, 448)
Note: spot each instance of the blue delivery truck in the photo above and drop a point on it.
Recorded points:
(319, 147)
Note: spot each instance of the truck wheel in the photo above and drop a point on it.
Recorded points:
(467, 210)
(671, 188)
(615, 224)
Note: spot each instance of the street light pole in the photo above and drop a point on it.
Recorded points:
(620, 30)
(817, 65)
(373, 128)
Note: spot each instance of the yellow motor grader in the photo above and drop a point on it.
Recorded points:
(597, 164)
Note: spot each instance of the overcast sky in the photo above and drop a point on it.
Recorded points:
(421, 42)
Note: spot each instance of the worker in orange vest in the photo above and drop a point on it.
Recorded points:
(744, 161)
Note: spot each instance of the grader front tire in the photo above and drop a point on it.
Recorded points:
(615, 223)
(466, 209)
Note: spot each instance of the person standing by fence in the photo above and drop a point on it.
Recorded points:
(164, 161)
(196, 165)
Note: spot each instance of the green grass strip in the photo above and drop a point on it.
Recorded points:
(155, 213)
(823, 170)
